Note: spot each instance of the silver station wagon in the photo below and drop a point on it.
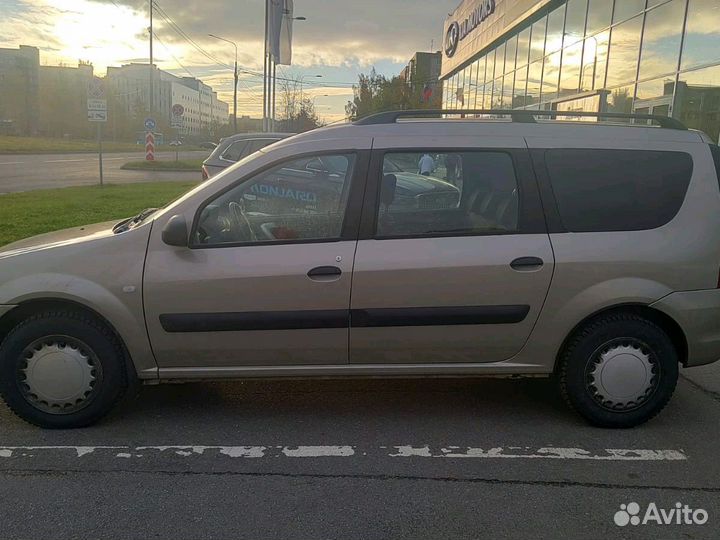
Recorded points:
(394, 246)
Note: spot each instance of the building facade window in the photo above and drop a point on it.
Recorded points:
(632, 56)
(661, 40)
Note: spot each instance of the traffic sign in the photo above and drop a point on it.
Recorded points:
(97, 116)
(150, 124)
(178, 110)
(176, 122)
(95, 88)
(149, 146)
(94, 104)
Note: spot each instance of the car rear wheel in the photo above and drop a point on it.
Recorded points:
(61, 370)
(618, 371)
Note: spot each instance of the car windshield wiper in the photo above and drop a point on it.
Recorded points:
(129, 223)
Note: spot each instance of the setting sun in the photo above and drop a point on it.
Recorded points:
(99, 33)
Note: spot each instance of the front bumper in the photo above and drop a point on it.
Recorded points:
(698, 314)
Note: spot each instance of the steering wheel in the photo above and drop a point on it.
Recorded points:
(237, 211)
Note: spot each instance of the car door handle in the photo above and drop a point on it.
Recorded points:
(526, 263)
(324, 272)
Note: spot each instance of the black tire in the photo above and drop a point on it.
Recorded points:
(582, 352)
(99, 339)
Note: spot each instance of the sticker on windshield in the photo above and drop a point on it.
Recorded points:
(284, 193)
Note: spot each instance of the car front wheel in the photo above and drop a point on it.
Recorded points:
(61, 369)
(618, 371)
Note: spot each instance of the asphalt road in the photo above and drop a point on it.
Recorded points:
(435, 459)
(27, 172)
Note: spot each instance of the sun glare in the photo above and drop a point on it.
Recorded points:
(101, 33)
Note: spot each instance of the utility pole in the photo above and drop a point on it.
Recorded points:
(235, 97)
(272, 103)
(266, 74)
(236, 78)
(151, 59)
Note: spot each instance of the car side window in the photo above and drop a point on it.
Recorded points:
(445, 193)
(599, 190)
(235, 152)
(289, 202)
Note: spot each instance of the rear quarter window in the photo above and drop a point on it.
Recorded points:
(235, 152)
(617, 190)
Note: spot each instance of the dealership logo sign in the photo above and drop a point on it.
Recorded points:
(452, 38)
(457, 31)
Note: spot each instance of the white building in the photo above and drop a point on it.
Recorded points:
(131, 85)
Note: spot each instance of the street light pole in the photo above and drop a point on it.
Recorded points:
(151, 59)
(236, 79)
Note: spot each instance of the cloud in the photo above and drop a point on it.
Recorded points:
(335, 33)
(339, 38)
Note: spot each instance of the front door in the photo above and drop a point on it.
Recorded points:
(266, 280)
(454, 262)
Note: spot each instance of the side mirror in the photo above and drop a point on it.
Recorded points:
(175, 232)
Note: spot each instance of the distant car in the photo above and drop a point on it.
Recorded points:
(175, 143)
(208, 145)
(236, 147)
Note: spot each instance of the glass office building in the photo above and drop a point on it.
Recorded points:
(632, 56)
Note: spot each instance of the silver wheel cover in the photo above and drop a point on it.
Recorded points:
(623, 375)
(59, 374)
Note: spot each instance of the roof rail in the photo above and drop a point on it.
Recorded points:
(517, 115)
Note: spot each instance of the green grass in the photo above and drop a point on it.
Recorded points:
(43, 145)
(36, 212)
(166, 165)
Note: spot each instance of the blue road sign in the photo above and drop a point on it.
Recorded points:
(150, 124)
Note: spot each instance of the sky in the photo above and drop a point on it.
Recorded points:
(339, 40)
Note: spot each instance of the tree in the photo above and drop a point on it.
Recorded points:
(369, 96)
(376, 93)
(621, 101)
(297, 110)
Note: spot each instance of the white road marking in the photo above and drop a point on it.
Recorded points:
(400, 451)
(64, 160)
(319, 451)
(611, 454)
(7, 451)
(12, 163)
(231, 451)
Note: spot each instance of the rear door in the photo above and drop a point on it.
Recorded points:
(452, 266)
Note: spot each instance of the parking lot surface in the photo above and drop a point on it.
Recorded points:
(359, 459)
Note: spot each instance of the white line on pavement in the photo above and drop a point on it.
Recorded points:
(401, 451)
(12, 163)
(64, 160)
